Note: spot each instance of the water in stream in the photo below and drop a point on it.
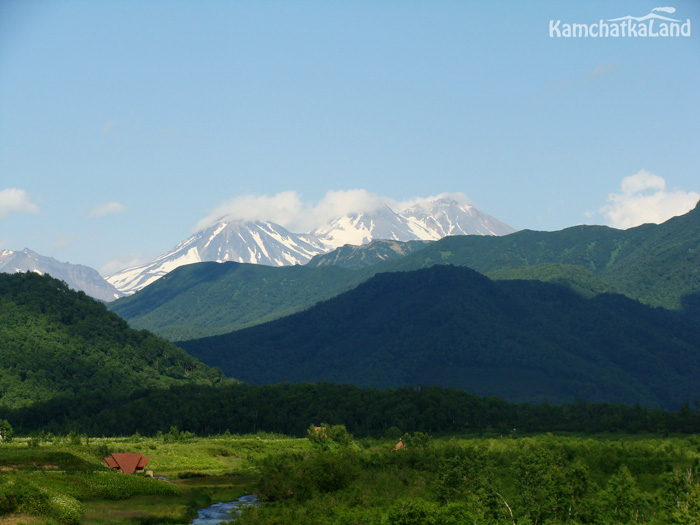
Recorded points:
(220, 512)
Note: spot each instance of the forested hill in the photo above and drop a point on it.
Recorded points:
(210, 298)
(450, 326)
(656, 264)
(55, 341)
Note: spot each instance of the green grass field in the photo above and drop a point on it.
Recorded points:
(484, 480)
(61, 481)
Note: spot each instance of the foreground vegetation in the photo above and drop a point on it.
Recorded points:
(330, 477)
(63, 479)
(543, 479)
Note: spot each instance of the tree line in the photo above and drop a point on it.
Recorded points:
(288, 408)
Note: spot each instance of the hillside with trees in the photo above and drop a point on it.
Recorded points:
(452, 327)
(55, 341)
(655, 264)
(209, 298)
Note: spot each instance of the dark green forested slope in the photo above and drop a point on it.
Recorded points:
(56, 341)
(577, 278)
(655, 264)
(664, 266)
(450, 326)
(215, 298)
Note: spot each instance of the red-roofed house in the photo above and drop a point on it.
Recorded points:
(127, 463)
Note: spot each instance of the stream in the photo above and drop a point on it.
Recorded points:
(219, 512)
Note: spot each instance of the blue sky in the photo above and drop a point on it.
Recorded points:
(124, 124)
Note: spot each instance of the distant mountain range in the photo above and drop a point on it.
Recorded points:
(77, 276)
(658, 265)
(388, 313)
(267, 243)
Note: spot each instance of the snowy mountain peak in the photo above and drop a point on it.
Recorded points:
(77, 276)
(446, 216)
(264, 242)
(255, 242)
(361, 228)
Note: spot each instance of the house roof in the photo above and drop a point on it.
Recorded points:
(127, 463)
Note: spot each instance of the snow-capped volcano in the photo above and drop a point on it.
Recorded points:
(361, 228)
(77, 276)
(443, 217)
(255, 242)
(261, 242)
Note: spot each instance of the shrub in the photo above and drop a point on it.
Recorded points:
(6, 432)
(417, 440)
(65, 509)
(415, 512)
(17, 495)
(329, 437)
(102, 450)
(176, 436)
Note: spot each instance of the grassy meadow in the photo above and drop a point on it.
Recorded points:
(56, 479)
(333, 478)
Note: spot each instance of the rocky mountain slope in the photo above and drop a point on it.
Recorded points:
(77, 276)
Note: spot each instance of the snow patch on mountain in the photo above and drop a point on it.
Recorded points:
(264, 242)
(445, 217)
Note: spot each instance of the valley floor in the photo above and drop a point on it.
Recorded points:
(486, 480)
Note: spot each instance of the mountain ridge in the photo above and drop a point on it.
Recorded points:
(264, 242)
(656, 264)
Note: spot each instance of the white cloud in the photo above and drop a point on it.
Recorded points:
(643, 198)
(664, 9)
(106, 209)
(14, 200)
(280, 209)
(287, 209)
(460, 197)
(337, 203)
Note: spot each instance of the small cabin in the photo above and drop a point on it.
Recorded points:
(127, 463)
